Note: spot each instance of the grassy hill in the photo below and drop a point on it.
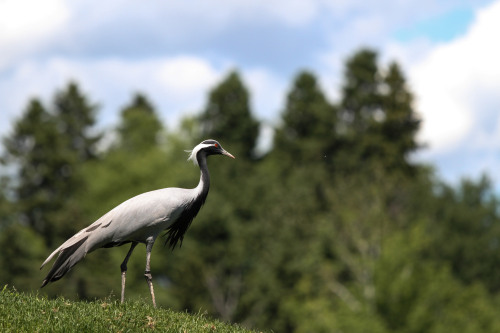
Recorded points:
(20, 312)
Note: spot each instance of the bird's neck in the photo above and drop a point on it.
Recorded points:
(204, 184)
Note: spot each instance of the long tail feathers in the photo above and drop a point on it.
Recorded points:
(68, 257)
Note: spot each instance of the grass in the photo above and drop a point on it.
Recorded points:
(21, 312)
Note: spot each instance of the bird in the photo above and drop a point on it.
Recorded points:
(140, 220)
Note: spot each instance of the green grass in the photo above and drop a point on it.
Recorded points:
(21, 312)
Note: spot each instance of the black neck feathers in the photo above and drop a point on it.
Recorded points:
(175, 232)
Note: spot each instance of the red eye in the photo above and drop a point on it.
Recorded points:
(216, 145)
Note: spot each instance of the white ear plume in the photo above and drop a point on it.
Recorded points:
(191, 156)
(194, 152)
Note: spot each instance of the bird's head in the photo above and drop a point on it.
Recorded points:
(207, 147)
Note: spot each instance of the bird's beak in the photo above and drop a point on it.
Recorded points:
(227, 154)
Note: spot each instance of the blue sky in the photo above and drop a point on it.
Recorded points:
(175, 51)
(442, 27)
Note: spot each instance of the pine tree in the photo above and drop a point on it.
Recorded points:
(213, 255)
(307, 134)
(360, 92)
(140, 126)
(75, 117)
(359, 110)
(228, 119)
(300, 164)
(400, 124)
(47, 148)
(378, 123)
(43, 171)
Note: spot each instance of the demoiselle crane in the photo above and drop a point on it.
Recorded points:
(140, 220)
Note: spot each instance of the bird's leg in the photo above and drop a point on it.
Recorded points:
(123, 267)
(147, 272)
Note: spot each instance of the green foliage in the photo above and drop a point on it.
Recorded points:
(22, 254)
(308, 130)
(32, 313)
(6, 206)
(42, 172)
(75, 116)
(468, 219)
(140, 127)
(227, 117)
(360, 93)
(47, 148)
(417, 294)
(377, 118)
(399, 127)
(211, 276)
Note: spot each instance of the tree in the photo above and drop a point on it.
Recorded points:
(359, 110)
(378, 123)
(140, 127)
(6, 205)
(416, 293)
(214, 260)
(296, 175)
(228, 119)
(75, 117)
(46, 152)
(22, 252)
(400, 123)
(43, 164)
(360, 102)
(468, 219)
(307, 134)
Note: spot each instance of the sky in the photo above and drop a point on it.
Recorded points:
(176, 51)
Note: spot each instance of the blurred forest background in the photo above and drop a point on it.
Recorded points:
(335, 228)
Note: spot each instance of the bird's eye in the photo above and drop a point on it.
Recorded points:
(216, 145)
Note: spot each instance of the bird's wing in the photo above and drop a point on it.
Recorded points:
(136, 219)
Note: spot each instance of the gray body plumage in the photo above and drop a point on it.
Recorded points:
(136, 220)
(140, 220)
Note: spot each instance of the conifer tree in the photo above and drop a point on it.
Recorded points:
(38, 151)
(360, 92)
(140, 126)
(227, 117)
(308, 130)
(400, 124)
(359, 110)
(75, 116)
(47, 149)
(378, 123)
(214, 261)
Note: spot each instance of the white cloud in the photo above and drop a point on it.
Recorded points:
(358, 24)
(267, 93)
(25, 25)
(291, 12)
(457, 83)
(175, 85)
(182, 76)
(27, 20)
(188, 20)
